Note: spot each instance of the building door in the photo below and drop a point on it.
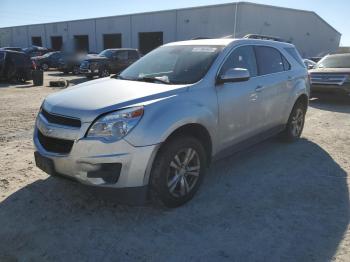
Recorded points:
(112, 41)
(81, 43)
(56, 43)
(149, 41)
(36, 40)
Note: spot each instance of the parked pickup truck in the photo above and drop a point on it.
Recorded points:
(331, 75)
(109, 61)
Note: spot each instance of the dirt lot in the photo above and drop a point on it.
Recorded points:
(274, 202)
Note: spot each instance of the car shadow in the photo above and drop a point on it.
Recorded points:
(333, 103)
(273, 202)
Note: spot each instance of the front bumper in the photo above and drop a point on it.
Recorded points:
(326, 88)
(91, 156)
(87, 71)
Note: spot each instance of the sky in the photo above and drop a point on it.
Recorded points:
(22, 12)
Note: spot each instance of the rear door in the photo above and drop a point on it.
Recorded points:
(273, 88)
(120, 61)
(133, 55)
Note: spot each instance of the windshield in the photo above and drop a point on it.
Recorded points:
(106, 53)
(337, 61)
(174, 64)
(48, 54)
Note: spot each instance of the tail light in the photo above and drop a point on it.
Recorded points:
(33, 65)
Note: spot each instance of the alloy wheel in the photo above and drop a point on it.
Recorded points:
(184, 171)
(297, 122)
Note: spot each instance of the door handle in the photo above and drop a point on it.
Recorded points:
(259, 88)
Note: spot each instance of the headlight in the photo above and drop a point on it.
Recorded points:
(348, 79)
(93, 65)
(116, 125)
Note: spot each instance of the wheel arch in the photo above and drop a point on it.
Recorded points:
(197, 131)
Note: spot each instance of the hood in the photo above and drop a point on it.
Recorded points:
(91, 99)
(330, 70)
(37, 57)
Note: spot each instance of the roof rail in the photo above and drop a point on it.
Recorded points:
(264, 37)
(200, 38)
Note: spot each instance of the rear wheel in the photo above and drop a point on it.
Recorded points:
(76, 70)
(178, 171)
(295, 123)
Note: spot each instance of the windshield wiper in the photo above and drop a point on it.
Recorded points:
(153, 79)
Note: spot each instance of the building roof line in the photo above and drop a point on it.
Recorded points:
(181, 9)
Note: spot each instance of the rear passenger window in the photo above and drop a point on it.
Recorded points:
(269, 60)
(286, 64)
(295, 54)
(122, 55)
(133, 55)
(242, 57)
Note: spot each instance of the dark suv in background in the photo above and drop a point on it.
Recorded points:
(47, 61)
(15, 66)
(70, 62)
(109, 61)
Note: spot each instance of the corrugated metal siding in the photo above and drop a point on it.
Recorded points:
(304, 29)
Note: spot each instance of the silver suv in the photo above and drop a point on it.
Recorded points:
(153, 129)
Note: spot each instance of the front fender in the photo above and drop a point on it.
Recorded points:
(161, 119)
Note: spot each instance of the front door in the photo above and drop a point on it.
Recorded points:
(238, 102)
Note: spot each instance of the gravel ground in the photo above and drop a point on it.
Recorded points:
(273, 202)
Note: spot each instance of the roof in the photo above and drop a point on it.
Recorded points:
(228, 41)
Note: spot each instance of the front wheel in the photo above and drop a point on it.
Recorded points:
(45, 67)
(295, 123)
(104, 72)
(178, 171)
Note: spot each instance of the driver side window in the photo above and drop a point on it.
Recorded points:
(241, 57)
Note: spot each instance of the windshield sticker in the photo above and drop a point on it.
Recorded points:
(204, 49)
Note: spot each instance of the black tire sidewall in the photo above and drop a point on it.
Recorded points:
(288, 132)
(159, 173)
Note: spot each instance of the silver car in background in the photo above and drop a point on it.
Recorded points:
(153, 130)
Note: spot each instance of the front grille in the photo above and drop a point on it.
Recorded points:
(328, 78)
(55, 145)
(61, 120)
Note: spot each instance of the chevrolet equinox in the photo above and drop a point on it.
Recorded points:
(152, 130)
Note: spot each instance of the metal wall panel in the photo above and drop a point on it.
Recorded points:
(57, 29)
(37, 30)
(154, 22)
(311, 35)
(82, 27)
(20, 37)
(5, 36)
(113, 25)
(216, 21)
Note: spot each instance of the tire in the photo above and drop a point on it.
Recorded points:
(45, 67)
(76, 70)
(295, 123)
(104, 72)
(172, 181)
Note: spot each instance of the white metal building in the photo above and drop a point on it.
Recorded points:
(312, 35)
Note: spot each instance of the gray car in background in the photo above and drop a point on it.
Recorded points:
(154, 129)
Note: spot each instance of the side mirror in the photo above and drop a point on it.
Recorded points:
(234, 75)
